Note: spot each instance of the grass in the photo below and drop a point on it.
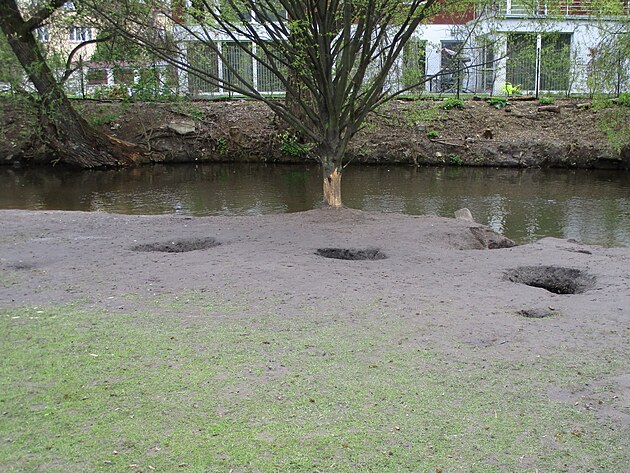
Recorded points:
(192, 384)
(418, 114)
(102, 114)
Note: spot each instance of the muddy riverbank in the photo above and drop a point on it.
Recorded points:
(570, 133)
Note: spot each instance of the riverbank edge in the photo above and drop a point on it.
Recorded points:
(524, 134)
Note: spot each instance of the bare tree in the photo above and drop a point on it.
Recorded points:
(341, 53)
(68, 135)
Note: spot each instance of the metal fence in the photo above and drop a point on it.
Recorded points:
(228, 62)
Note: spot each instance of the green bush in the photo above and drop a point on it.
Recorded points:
(221, 146)
(118, 91)
(455, 159)
(546, 100)
(433, 134)
(289, 143)
(624, 99)
(451, 103)
(152, 85)
(498, 102)
(511, 89)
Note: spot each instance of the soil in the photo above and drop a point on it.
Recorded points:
(437, 272)
(569, 133)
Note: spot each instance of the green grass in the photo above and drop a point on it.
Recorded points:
(201, 384)
(103, 119)
(418, 114)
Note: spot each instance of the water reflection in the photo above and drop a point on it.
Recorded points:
(590, 206)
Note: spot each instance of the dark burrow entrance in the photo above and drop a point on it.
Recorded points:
(352, 254)
(554, 279)
(178, 246)
(536, 313)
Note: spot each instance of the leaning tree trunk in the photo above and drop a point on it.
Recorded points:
(70, 137)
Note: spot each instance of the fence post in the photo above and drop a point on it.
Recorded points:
(538, 64)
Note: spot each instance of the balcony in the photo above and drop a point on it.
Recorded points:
(562, 8)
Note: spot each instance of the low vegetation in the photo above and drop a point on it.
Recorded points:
(187, 383)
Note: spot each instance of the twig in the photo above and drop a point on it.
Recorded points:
(448, 143)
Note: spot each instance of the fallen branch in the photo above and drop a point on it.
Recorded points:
(447, 143)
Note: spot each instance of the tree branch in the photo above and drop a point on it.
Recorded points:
(69, 70)
(43, 14)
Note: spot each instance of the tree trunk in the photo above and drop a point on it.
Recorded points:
(332, 187)
(70, 137)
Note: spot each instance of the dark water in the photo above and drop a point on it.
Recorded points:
(589, 206)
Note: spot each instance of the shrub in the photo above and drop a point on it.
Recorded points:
(118, 91)
(453, 103)
(221, 146)
(546, 100)
(624, 99)
(455, 159)
(498, 102)
(511, 89)
(289, 143)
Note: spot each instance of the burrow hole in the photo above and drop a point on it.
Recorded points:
(178, 246)
(352, 254)
(554, 279)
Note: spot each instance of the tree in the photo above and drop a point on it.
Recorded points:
(340, 51)
(69, 136)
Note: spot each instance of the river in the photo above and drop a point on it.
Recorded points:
(524, 204)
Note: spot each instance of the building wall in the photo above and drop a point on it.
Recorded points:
(586, 34)
(480, 63)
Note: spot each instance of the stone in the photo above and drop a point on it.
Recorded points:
(182, 127)
(489, 239)
(464, 214)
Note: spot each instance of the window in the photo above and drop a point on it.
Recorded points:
(42, 35)
(553, 60)
(521, 63)
(453, 67)
(123, 75)
(80, 33)
(487, 67)
(96, 76)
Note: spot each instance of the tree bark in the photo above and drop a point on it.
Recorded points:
(70, 137)
(332, 187)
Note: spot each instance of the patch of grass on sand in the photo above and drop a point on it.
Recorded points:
(10, 278)
(195, 385)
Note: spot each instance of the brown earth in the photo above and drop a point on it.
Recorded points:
(568, 134)
(435, 273)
